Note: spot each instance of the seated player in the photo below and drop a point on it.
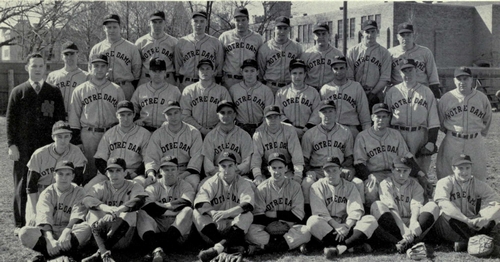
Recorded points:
(223, 208)
(338, 219)
(278, 199)
(59, 230)
(165, 220)
(468, 205)
(401, 211)
(112, 215)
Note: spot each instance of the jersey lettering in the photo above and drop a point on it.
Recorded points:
(99, 96)
(203, 54)
(280, 201)
(114, 203)
(345, 97)
(152, 51)
(175, 145)
(336, 199)
(205, 99)
(382, 149)
(47, 171)
(237, 45)
(410, 100)
(329, 143)
(249, 98)
(68, 83)
(152, 101)
(402, 198)
(222, 199)
(125, 145)
(64, 208)
(120, 56)
(369, 59)
(462, 195)
(278, 56)
(420, 65)
(166, 200)
(297, 100)
(464, 108)
(222, 147)
(319, 62)
(275, 145)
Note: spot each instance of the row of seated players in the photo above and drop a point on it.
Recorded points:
(230, 214)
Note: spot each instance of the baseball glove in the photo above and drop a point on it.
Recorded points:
(426, 152)
(277, 228)
(417, 252)
(480, 246)
(225, 257)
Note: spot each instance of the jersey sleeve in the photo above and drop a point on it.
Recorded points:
(432, 113)
(196, 160)
(260, 203)
(136, 62)
(187, 109)
(246, 151)
(258, 154)
(431, 68)
(488, 195)
(76, 109)
(349, 145)
(208, 152)
(317, 200)
(350, 64)
(102, 149)
(220, 56)
(443, 190)
(385, 70)
(261, 60)
(363, 108)
(206, 192)
(417, 198)
(178, 56)
(153, 152)
(187, 192)
(355, 209)
(152, 193)
(146, 136)
(79, 210)
(487, 118)
(137, 191)
(314, 117)
(45, 208)
(246, 193)
(386, 195)
(93, 197)
(360, 156)
(307, 143)
(295, 149)
(298, 200)
(135, 100)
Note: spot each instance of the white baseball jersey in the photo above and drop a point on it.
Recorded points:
(274, 60)
(299, 106)
(67, 82)
(105, 193)
(401, 198)
(319, 64)
(223, 196)
(237, 49)
(151, 102)
(160, 193)
(426, 68)
(57, 208)
(188, 52)
(251, 101)
(287, 198)
(162, 48)
(368, 65)
(318, 144)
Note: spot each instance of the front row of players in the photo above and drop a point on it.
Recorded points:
(232, 215)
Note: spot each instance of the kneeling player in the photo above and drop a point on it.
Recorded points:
(401, 211)
(59, 231)
(337, 212)
(166, 219)
(278, 199)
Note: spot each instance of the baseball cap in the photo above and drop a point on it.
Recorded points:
(400, 162)
(69, 47)
(99, 58)
(408, 63)
(462, 71)
(339, 59)
(172, 105)
(64, 164)
(61, 127)
(321, 26)
(116, 163)
(205, 62)
(224, 103)
(157, 64)
(240, 11)
(282, 21)
(158, 15)
(369, 24)
(200, 13)
(111, 18)
(124, 106)
(276, 156)
(332, 161)
(405, 28)
(169, 161)
(297, 63)
(250, 62)
(226, 156)
(380, 107)
(461, 159)
(327, 104)
(272, 110)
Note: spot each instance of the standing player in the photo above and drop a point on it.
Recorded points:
(319, 57)
(223, 208)
(250, 97)
(465, 116)
(176, 138)
(166, 219)
(298, 101)
(157, 45)
(195, 47)
(239, 45)
(369, 63)
(199, 100)
(338, 219)
(34, 106)
(275, 55)
(123, 56)
(349, 97)
(426, 68)
(92, 112)
(70, 76)
(59, 229)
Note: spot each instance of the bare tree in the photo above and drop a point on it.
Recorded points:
(10, 12)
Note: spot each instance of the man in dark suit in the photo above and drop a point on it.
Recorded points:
(34, 106)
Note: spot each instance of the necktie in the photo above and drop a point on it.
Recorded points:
(37, 87)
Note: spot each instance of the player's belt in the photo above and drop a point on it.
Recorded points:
(147, 75)
(248, 125)
(299, 127)
(121, 83)
(407, 128)
(97, 129)
(464, 136)
(278, 84)
(191, 79)
(234, 76)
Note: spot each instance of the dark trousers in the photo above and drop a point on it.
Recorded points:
(20, 174)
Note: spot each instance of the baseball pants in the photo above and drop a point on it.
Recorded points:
(319, 227)
(129, 217)
(182, 221)
(371, 186)
(29, 236)
(20, 173)
(169, 79)
(187, 81)
(296, 236)
(416, 140)
(307, 183)
(242, 221)
(90, 142)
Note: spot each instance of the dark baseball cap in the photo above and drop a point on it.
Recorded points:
(111, 18)
(169, 161)
(338, 60)
(158, 15)
(401, 162)
(407, 63)
(462, 71)
(205, 62)
(226, 103)
(61, 127)
(380, 107)
(272, 110)
(64, 164)
(282, 21)
(369, 24)
(332, 161)
(405, 28)
(327, 104)
(461, 159)
(99, 58)
(226, 156)
(250, 62)
(240, 11)
(125, 106)
(116, 163)
(321, 26)
(172, 105)
(157, 64)
(69, 47)
(200, 13)
(297, 63)
(276, 156)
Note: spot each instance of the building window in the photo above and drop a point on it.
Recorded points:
(363, 19)
(340, 29)
(305, 39)
(352, 27)
(370, 17)
(291, 32)
(378, 19)
(330, 25)
(309, 33)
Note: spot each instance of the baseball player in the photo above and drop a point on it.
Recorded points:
(93, 112)
(369, 63)
(70, 76)
(401, 211)
(178, 139)
(338, 219)
(465, 116)
(239, 44)
(298, 101)
(278, 199)
(151, 98)
(426, 69)
(157, 45)
(59, 230)
(124, 58)
(250, 97)
(227, 137)
(199, 100)
(127, 141)
(195, 47)
(349, 97)
(319, 57)
(112, 215)
(469, 206)
(276, 137)
(414, 114)
(166, 219)
(223, 208)
(274, 56)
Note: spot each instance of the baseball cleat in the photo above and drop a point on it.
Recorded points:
(331, 252)
(208, 254)
(460, 246)
(96, 257)
(106, 257)
(402, 246)
(304, 249)
(158, 255)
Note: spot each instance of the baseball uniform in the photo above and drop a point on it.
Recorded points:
(250, 102)
(67, 82)
(319, 65)
(465, 120)
(299, 107)
(426, 68)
